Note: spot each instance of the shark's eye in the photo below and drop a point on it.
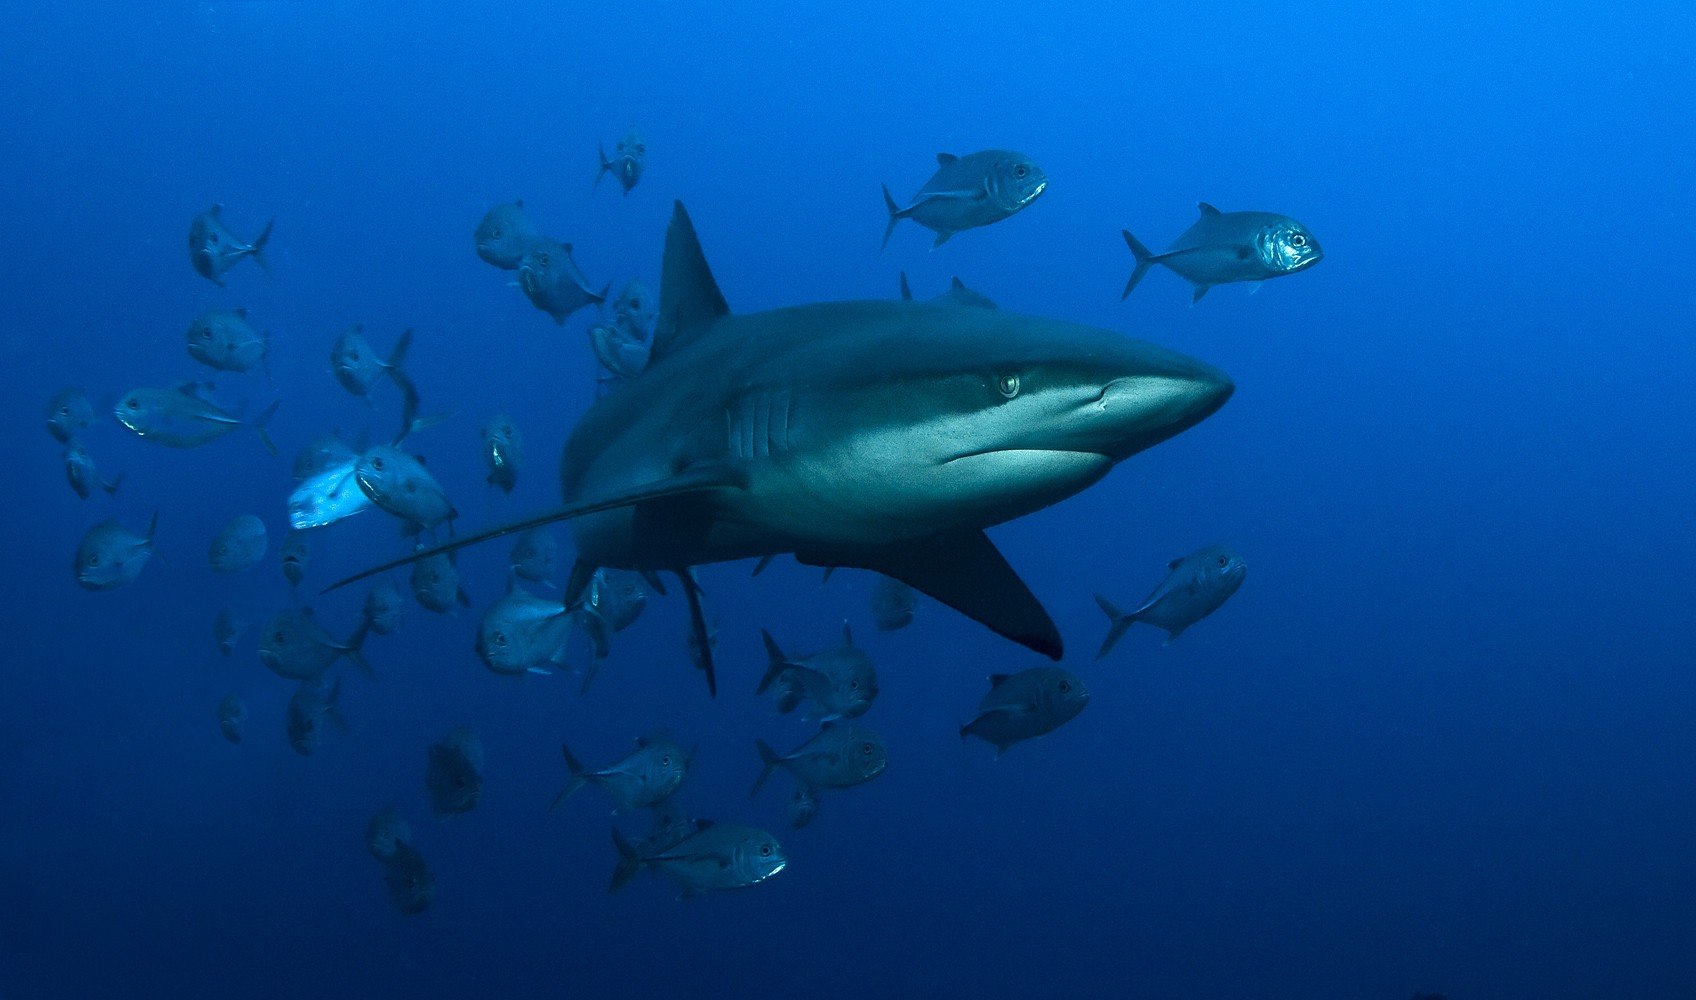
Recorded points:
(1008, 385)
(1298, 240)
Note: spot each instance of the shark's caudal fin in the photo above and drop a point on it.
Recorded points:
(1117, 622)
(697, 480)
(690, 302)
(965, 571)
(1145, 260)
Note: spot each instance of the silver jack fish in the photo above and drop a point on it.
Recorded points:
(1223, 247)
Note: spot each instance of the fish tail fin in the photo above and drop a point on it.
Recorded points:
(259, 427)
(259, 246)
(589, 673)
(354, 642)
(577, 778)
(152, 528)
(894, 215)
(1145, 260)
(629, 862)
(397, 357)
(776, 663)
(770, 758)
(606, 164)
(111, 488)
(1118, 622)
(965, 730)
(595, 627)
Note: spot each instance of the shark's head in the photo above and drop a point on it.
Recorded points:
(994, 415)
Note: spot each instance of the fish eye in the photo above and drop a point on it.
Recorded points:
(496, 234)
(1009, 385)
(1065, 687)
(1020, 170)
(665, 761)
(64, 411)
(1298, 240)
(542, 259)
(854, 685)
(134, 404)
(277, 637)
(765, 850)
(866, 748)
(94, 559)
(1224, 560)
(377, 463)
(353, 355)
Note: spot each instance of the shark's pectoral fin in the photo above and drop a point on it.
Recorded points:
(964, 570)
(699, 478)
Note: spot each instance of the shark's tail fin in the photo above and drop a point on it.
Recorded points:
(578, 780)
(1145, 260)
(629, 862)
(776, 664)
(1118, 621)
(894, 215)
(770, 758)
(258, 251)
(259, 427)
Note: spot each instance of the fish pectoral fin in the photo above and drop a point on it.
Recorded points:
(964, 570)
(699, 478)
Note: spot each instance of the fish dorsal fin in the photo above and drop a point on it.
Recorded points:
(1174, 564)
(690, 302)
(641, 742)
(906, 289)
(1207, 209)
(958, 285)
(996, 680)
(944, 159)
(518, 203)
(847, 636)
(703, 824)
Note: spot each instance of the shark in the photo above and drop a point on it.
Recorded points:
(880, 435)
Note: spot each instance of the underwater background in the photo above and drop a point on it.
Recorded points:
(1441, 740)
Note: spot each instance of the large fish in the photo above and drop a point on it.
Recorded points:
(68, 413)
(182, 418)
(842, 682)
(225, 341)
(295, 647)
(399, 483)
(213, 249)
(238, 545)
(877, 435)
(521, 632)
(1025, 705)
(453, 772)
(1223, 247)
(110, 555)
(312, 704)
(554, 282)
(505, 235)
(1195, 586)
(840, 756)
(716, 857)
(503, 452)
(627, 161)
(83, 475)
(969, 191)
(643, 778)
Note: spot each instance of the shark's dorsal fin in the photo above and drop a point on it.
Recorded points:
(906, 289)
(965, 571)
(1207, 209)
(690, 301)
(944, 159)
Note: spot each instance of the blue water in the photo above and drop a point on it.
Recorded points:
(1441, 740)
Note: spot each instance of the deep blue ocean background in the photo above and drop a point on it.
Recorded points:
(1443, 739)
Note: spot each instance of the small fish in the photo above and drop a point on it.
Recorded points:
(803, 806)
(1195, 586)
(958, 295)
(435, 583)
(840, 756)
(1223, 247)
(238, 546)
(182, 418)
(505, 234)
(1025, 705)
(969, 191)
(503, 451)
(232, 718)
(616, 597)
(328, 496)
(387, 831)
(69, 413)
(384, 607)
(295, 552)
(311, 704)
(81, 473)
(213, 249)
(627, 163)
(635, 310)
(358, 366)
(520, 632)
(111, 555)
(295, 647)
(227, 630)
(554, 283)
(399, 483)
(453, 772)
(893, 603)
(534, 554)
(225, 341)
(716, 857)
(411, 885)
(841, 682)
(671, 826)
(618, 350)
(644, 778)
